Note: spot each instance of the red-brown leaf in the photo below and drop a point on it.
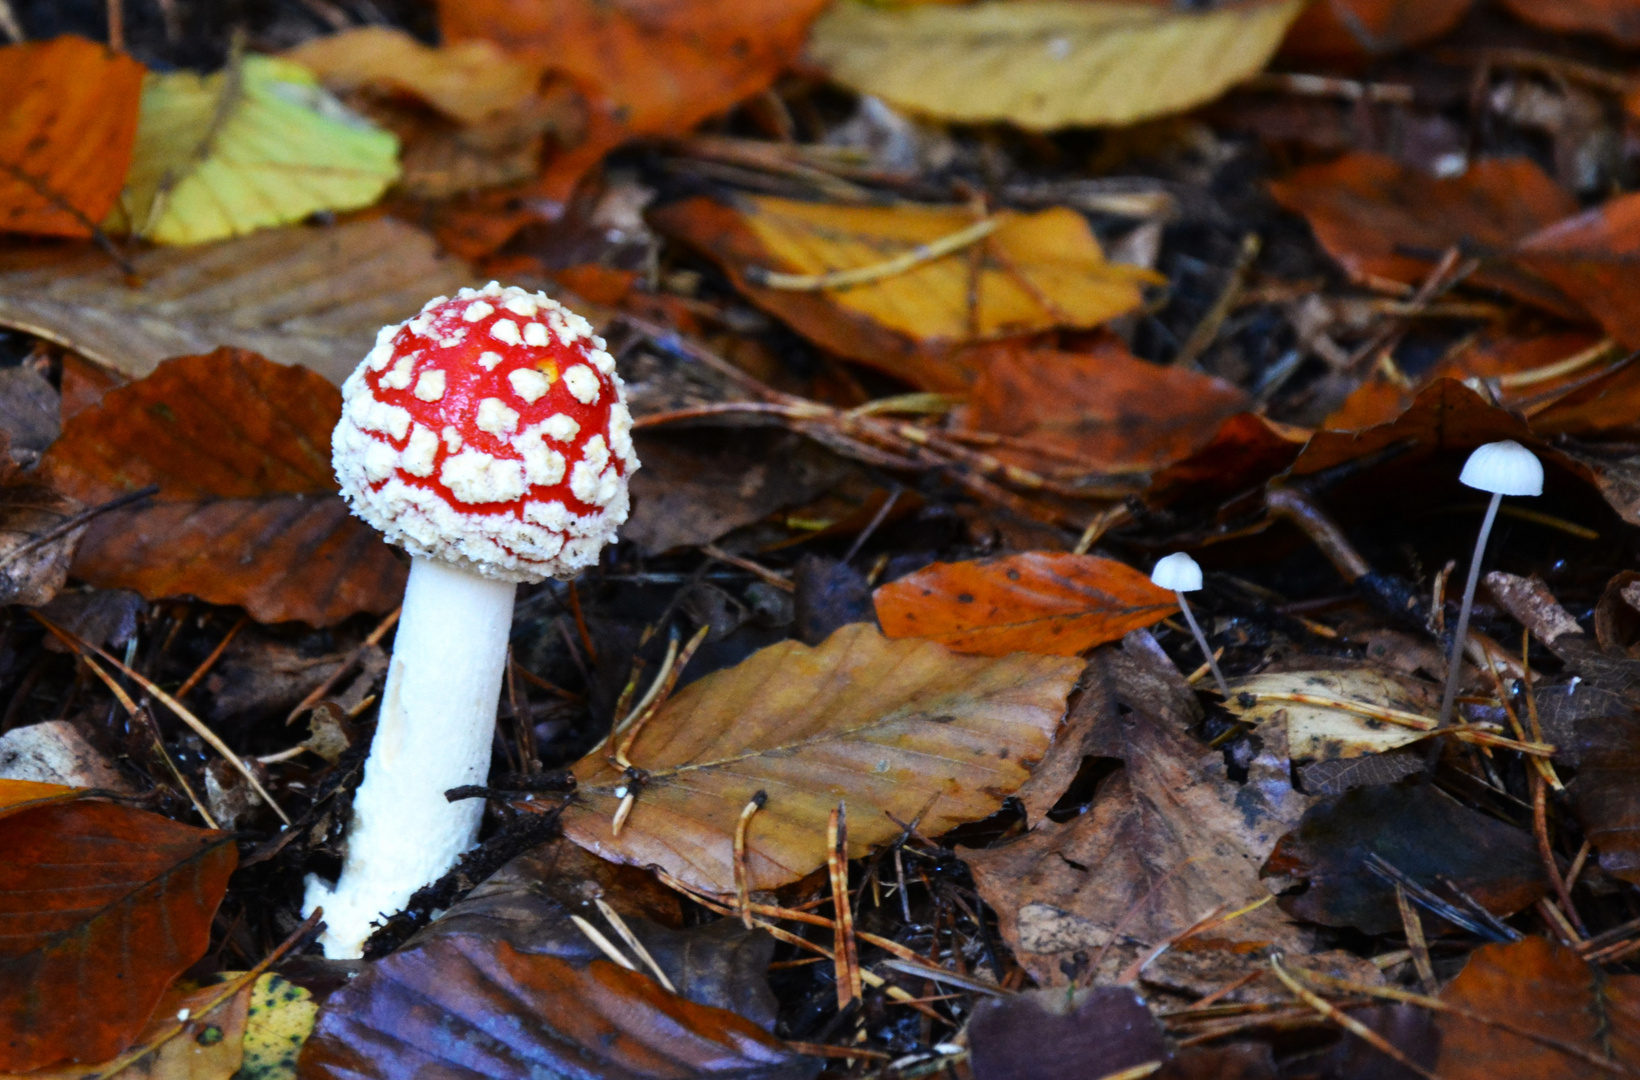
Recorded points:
(1058, 604)
(1618, 20)
(102, 907)
(1590, 258)
(1342, 31)
(247, 512)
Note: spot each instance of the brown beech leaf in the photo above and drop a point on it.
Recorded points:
(1035, 272)
(1106, 407)
(66, 134)
(889, 727)
(1590, 258)
(460, 1005)
(312, 296)
(1167, 839)
(1247, 450)
(1043, 602)
(1418, 830)
(1618, 20)
(1368, 210)
(32, 567)
(1355, 30)
(247, 511)
(104, 905)
(1535, 985)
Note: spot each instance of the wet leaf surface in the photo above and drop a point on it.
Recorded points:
(1418, 830)
(246, 513)
(111, 904)
(861, 719)
(1057, 604)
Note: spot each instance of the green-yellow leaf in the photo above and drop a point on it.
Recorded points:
(258, 144)
(280, 1020)
(1046, 64)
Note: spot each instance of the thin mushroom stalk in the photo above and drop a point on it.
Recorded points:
(1180, 573)
(1502, 468)
(489, 437)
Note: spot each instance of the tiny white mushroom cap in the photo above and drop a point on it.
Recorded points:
(1178, 572)
(1503, 468)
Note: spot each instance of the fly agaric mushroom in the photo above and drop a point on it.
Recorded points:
(1183, 574)
(489, 437)
(1502, 468)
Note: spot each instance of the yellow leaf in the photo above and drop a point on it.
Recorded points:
(281, 1018)
(1047, 64)
(1331, 715)
(258, 144)
(467, 81)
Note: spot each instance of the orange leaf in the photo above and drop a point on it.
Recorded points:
(1107, 407)
(1368, 210)
(1618, 20)
(1356, 30)
(1058, 604)
(1590, 258)
(246, 513)
(66, 133)
(103, 906)
(666, 64)
(19, 795)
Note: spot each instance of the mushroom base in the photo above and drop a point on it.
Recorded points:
(436, 724)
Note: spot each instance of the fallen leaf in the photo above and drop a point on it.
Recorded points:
(1036, 271)
(66, 135)
(19, 795)
(666, 65)
(1415, 828)
(1369, 211)
(297, 296)
(466, 81)
(54, 752)
(1342, 31)
(258, 144)
(1589, 258)
(1046, 64)
(459, 1004)
(1336, 714)
(1054, 1035)
(1606, 793)
(247, 511)
(30, 412)
(1534, 985)
(890, 727)
(278, 1022)
(1618, 20)
(1042, 602)
(1167, 840)
(107, 905)
(34, 556)
(1246, 451)
(1105, 407)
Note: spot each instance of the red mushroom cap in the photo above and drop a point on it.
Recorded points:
(491, 432)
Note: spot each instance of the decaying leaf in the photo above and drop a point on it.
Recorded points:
(1537, 986)
(34, 553)
(107, 905)
(1331, 715)
(1054, 603)
(1104, 407)
(1054, 1035)
(247, 511)
(258, 144)
(665, 65)
(892, 728)
(65, 135)
(1369, 211)
(1417, 830)
(278, 1021)
(1354, 30)
(1035, 272)
(1606, 793)
(1589, 258)
(460, 1004)
(466, 81)
(1046, 64)
(297, 296)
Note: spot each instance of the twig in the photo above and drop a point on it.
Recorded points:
(604, 945)
(844, 948)
(614, 919)
(743, 892)
(758, 570)
(871, 526)
(70, 524)
(1348, 1023)
(317, 694)
(1416, 943)
(865, 275)
(209, 662)
(581, 625)
(1560, 368)
(1207, 330)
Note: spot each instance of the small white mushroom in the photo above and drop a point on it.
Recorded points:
(1183, 574)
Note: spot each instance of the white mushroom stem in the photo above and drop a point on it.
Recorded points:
(437, 720)
(1207, 650)
(1454, 659)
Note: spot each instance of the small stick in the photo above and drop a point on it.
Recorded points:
(604, 945)
(655, 699)
(318, 693)
(758, 570)
(614, 919)
(845, 949)
(743, 892)
(1207, 331)
(581, 625)
(1348, 1023)
(210, 661)
(1417, 945)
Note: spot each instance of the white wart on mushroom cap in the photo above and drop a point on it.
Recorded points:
(490, 431)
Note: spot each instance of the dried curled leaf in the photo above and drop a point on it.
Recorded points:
(104, 905)
(258, 144)
(247, 511)
(66, 133)
(890, 727)
(1046, 64)
(1040, 602)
